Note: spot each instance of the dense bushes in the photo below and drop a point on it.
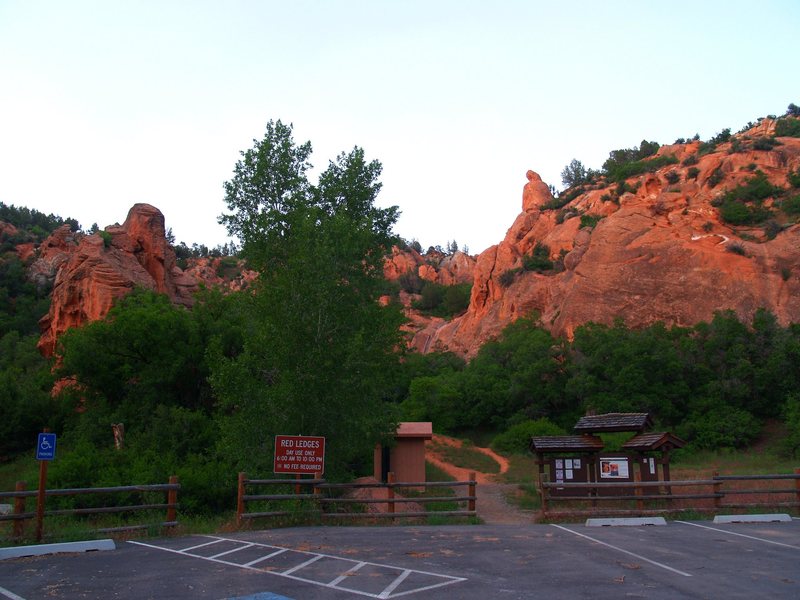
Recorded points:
(443, 300)
(787, 127)
(712, 384)
(743, 205)
(517, 438)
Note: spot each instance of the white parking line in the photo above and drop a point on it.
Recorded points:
(393, 586)
(346, 574)
(301, 565)
(293, 572)
(211, 543)
(10, 595)
(232, 551)
(628, 552)
(263, 558)
(749, 537)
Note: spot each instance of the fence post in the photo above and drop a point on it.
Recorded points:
(797, 483)
(19, 508)
(297, 479)
(637, 490)
(240, 499)
(543, 491)
(471, 492)
(390, 491)
(172, 500)
(717, 490)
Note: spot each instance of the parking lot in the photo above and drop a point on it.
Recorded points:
(680, 560)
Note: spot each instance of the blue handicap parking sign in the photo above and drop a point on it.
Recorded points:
(46, 446)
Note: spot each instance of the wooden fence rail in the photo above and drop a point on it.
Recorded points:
(322, 503)
(20, 515)
(706, 495)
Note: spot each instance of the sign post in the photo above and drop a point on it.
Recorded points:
(45, 452)
(299, 454)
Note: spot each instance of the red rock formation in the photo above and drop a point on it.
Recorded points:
(660, 254)
(434, 266)
(91, 273)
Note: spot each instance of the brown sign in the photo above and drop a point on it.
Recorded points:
(299, 454)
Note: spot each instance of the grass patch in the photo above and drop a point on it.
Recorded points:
(467, 457)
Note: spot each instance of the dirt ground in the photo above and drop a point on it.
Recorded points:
(492, 504)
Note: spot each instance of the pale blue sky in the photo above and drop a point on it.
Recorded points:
(105, 104)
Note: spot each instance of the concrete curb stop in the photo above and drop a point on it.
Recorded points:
(631, 522)
(41, 549)
(781, 518)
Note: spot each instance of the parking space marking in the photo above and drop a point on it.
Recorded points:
(750, 537)
(263, 558)
(393, 586)
(346, 574)
(245, 547)
(294, 572)
(628, 552)
(301, 565)
(9, 594)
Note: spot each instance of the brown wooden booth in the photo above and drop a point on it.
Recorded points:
(406, 459)
(580, 458)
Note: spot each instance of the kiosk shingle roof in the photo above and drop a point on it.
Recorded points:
(566, 443)
(653, 441)
(613, 422)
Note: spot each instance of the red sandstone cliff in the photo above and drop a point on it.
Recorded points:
(659, 254)
(90, 272)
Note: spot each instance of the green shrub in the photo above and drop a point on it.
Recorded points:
(711, 145)
(736, 248)
(539, 260)
(690, 160)
(563, 199)
(721, 427)
(456, 298)
(692, 173)
(621, 172)
(735, 212)
(791, 206)
(764, 143)
(794, 178)
(410, 282)
(716, 177)
(517, 439)
(787, 127)
(590, 220)
(106, 237)
(672, 177)
(791, 416)
(742, 205)
(772, 228)
(507, 277)
(432, 296)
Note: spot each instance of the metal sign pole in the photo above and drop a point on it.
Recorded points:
(45, 452)
(40, 499)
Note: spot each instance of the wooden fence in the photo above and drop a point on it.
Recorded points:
(20, 515)
(324, 500)
(719, 493)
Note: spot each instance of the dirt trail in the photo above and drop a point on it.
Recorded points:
(491, 504)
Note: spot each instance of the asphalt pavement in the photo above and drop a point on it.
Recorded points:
(697, 560)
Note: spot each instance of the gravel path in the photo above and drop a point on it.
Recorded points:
(491, 504)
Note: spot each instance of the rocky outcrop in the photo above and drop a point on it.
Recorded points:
(658, 253)
(434, 266)
(93, 271)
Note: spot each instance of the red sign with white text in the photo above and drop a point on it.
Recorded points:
(299, 454)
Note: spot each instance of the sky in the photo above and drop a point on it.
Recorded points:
(109, 103)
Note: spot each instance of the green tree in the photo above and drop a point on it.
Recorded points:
(147, 352)
(574, 174)
(318, 360)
